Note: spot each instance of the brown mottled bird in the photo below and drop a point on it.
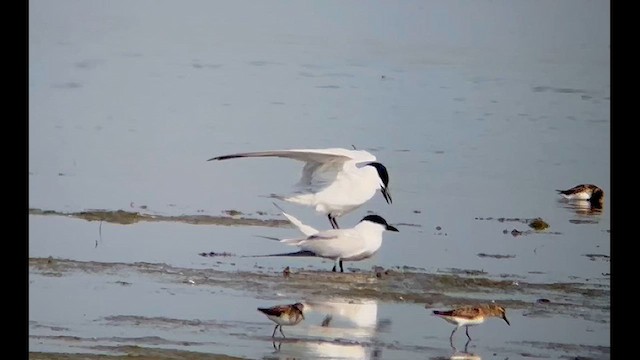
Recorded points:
(284, 315)
(471, 315)
(590, 192)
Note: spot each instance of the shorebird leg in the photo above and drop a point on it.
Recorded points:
(282, 332)
(466, 346)
(341, 269)
(451, 336)
(326, 321)
(274, 331)
(468, 332)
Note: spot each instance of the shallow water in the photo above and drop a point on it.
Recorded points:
(480, 113)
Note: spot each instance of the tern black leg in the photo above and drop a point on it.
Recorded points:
(282, 332)
(335, 265)
(451, 336)
(341, 269)
(334, 223)
(468, 332)
(274, 331)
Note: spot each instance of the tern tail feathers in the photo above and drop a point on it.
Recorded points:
(268, 237)
(297, 253)
(291, 241)
(305, 229)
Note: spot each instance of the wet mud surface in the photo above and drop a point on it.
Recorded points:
(570, 299)
(122, 217)
(128, 352)
(145, 336)
(399, 287)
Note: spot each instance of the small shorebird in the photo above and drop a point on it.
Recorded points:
(334, 181)
(284, 315)
(354, 244)
(583, 192)
(471, 315)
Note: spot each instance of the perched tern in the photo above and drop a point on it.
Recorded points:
(334, 181)
(358, 243)
(284, 315)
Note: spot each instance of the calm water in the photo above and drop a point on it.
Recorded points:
(480, 110)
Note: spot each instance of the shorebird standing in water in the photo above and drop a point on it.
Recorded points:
(590, 192)
(284, 315)
(471, 315)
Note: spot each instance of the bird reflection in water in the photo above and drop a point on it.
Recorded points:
(584, 199)
(466, 355)
(341, 328)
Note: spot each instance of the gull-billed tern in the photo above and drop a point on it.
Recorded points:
(334, 181)
(358, 243)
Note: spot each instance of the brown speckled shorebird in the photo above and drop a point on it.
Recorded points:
(471, 315)
(579, 192)
(284, 315)
(590, 192)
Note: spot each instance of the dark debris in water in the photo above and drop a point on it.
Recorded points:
(215, 254)
(503, 219)
(594, 257)
(558, 90)
(583, 221)
(408, 224)
(496, 256)
(516, 232)
(538, 224)
(535, 223)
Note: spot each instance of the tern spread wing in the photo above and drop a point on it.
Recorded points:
(334, 243)
(315, 237)
(307, 155)
(321, 165)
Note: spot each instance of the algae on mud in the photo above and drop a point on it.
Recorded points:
(165, 334)
(127, 217)
(393, 286)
